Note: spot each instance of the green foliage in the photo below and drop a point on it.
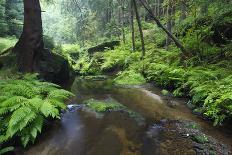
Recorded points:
(3, 24)
(6, 150)
(70, 48)
(25, 104)
(49, 42)
(129, 77)
(209, 86)
(165, 92)
(14, 17)
(200, 139)
(113, 59)
(6, 43)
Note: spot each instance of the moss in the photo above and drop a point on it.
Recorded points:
(6, 43)
(96, 77)
(192, 125)
(129, 78)
(165, 92)
(200, 139)
(103, 106)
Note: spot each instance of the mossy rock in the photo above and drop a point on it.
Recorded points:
(165, 92)
(103, 106)
(202, 139)
(55, 68)
(192, 125)
(103, 46)
(96, 77)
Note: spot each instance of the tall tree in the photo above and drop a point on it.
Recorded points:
(140, 27)
(183, 9)
(169, 23)
(176, 41)
(30, 44)
(132, 25)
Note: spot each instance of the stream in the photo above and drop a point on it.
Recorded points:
(84, 133)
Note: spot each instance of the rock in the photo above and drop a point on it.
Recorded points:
(191, 105)
(51, 67)
(103, 46)
(200, 139)
(55, 68)
(172, 103)
(166, 92)
(170, 135)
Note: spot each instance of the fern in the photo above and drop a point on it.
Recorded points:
(5, 150)
(25, 104)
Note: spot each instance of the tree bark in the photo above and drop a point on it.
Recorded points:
(183, 10)
(123, 22)
(169, 25)
(158, 8)
(132, 26)
(30, 44)
(177, 42)
(140, 27)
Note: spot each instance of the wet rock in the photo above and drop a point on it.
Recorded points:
(191, 105)
(172, 103)
(180, 137)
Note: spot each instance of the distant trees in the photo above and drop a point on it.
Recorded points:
(11, 17)
(3, 24)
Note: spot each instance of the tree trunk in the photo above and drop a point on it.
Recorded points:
(123, 22)
(204, 9)
(158, 8)
(155, 7)
(30, 44)
(183, 10)
(169, 25)
(140, 27)
(177, 42)
(132, 26)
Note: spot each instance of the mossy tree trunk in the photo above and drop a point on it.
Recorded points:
(30, 44)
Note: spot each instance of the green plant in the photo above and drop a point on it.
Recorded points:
(129, 77)
(6, 43)
(6, 149)
(25, 104)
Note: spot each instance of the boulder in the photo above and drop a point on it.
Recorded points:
(103, 46)
(55, 68)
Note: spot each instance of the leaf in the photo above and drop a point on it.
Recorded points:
(6, 149)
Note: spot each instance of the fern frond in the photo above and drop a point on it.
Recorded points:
(59, 94)
(47, 109)
(20, 119)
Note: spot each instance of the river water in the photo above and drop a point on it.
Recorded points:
(83, 133)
